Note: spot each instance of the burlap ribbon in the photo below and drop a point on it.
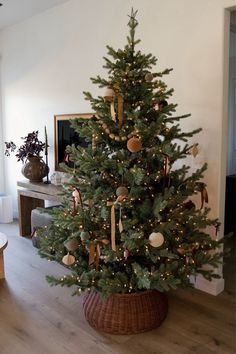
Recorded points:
(113, 221)
(120, 109)
(95, 251)
(120, 105)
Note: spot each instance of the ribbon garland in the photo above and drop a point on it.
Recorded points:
(94, 145)
(113, 221)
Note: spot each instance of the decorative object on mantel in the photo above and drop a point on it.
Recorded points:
(56, 178)
(46, 154)
(138, 236)
(28, 153)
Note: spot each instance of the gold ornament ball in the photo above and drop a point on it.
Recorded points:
(134, 144)
(122, 191)
(72, 245)
(148, 77)
(68, 259)
(156, 239)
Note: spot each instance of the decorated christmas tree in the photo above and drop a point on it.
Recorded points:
(128, 221)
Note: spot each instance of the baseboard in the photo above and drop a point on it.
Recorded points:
(214, 287)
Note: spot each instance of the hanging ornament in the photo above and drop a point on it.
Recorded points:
(113, 221)
(72, 245)
(109, 97)
(149, 77)
(134, 144)
(156, 239)
(95, 251)
(162, 104)
(194, 150)
(126, 254)
(68, 259)
(77, 198)
(122, 190)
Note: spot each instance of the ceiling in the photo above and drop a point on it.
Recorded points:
(14, 11)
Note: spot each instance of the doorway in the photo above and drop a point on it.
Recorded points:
(230, 192)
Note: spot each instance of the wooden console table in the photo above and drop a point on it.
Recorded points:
(3, 245)
(30, 196)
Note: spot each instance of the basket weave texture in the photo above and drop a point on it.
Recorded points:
(126, 313)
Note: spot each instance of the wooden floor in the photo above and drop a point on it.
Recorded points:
(38, 319)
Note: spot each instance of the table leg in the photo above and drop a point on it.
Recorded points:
(2, 274)
(25, 206)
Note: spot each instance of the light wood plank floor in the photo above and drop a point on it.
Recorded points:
(38, 319)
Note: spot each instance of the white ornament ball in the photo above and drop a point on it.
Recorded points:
(156, 239)
(68, 259)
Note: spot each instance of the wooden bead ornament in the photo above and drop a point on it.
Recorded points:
(68, 259)
(122, 191)
(134, 144)
(156, 239)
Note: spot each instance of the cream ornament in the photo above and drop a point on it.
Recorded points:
(68, 259)
(156, 239)
(109, 95)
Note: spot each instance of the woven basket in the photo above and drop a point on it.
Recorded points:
(126, 313)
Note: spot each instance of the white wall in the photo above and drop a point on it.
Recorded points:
(47, 62)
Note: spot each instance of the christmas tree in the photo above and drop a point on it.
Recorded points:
(127, 222)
